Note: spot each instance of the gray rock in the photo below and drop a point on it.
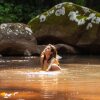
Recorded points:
(70, 24)
(16, 39)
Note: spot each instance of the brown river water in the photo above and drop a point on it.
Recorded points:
(22, 79)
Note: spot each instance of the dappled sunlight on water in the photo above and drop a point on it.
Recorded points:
(73, 82)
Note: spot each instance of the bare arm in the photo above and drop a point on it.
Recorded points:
(41, 59)
(54, 62)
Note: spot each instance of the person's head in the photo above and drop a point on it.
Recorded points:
(51, 51)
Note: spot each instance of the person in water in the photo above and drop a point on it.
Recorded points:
(48, 59)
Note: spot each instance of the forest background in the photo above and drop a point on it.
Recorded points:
(23, 10)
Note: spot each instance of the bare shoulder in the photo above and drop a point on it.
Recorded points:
(55, 61)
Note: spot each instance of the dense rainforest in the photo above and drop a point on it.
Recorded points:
(24, 10)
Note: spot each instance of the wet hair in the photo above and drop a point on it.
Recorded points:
(53, 55)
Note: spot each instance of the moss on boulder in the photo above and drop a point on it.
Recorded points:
(69, 23)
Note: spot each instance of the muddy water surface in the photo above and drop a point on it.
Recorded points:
(79, 79)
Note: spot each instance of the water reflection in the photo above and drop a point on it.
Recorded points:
(8, 95)
(76, 81)
(46, 83)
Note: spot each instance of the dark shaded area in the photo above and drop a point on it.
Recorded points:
(89, 50)
(48, 39)
(93, 4)
(17, 50)
(12, 51)
(62, 51)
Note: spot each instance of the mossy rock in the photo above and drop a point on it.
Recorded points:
(67, 23)
(16, 39)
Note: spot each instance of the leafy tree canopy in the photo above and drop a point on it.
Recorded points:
(24, 10)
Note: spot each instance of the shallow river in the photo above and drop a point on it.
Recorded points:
(79, 79)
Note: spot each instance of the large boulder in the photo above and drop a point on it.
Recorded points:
(62, 49)
(16, 39)
(70, 24)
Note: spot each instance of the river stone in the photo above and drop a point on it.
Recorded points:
(70, 24)
(62, 49)
(16, 39)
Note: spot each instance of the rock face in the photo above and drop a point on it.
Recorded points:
(70, 24)
(16, 39)
(62, 49)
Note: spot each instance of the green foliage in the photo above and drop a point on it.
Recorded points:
(80, 2)
(24, 10)
(7, 13)
(18, 13)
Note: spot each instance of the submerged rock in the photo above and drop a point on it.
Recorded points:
(70, 24)
(16, 39)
